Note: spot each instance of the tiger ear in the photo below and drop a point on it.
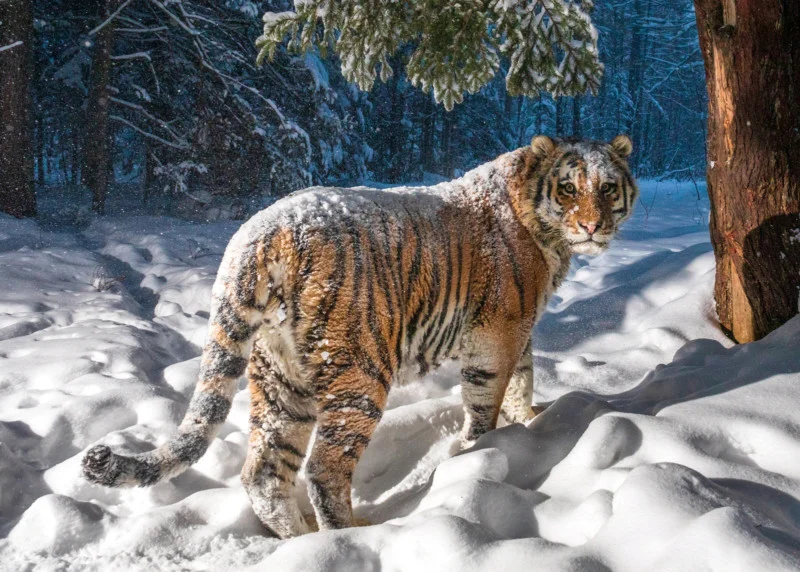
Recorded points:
(542, 145)
(622, 146)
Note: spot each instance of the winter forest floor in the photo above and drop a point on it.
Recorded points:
(664, 447)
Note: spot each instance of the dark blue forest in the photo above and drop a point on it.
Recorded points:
(193, 127)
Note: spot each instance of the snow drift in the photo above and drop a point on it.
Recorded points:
(664, 448)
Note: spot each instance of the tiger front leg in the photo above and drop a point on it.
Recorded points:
(487, 367)
(516, 406)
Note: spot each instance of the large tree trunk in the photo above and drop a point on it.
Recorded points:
(17, 194)
(96, 135)
(752, 58)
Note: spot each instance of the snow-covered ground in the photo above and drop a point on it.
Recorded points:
(664, 448)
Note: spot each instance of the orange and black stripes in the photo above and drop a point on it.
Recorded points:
(331, 296)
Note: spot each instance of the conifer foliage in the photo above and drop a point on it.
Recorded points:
(455, 46)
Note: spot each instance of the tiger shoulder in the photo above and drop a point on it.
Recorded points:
(331, 296)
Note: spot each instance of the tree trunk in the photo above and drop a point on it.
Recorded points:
(149, 178)
(37, 111)
(74, 156)
(396, 130)
(40, 152)
(17, 193)
(640, 42)
(521, 121)
(96, 134)
(559, 116)
(616, 71)
(447, 141)
(752, 60)
(539, 115)
(428, 127)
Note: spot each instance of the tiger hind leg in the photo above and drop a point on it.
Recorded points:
(349, 413)
(282, 416)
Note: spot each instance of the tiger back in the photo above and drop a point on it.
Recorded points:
(331, 296)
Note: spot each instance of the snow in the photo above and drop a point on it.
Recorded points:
(663, 448)
(318, 73)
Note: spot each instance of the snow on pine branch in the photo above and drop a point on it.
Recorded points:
(137, 55)
(455, 46)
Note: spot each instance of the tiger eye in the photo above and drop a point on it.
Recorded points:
(569, 188)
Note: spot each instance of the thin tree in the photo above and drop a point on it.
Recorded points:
(96, 136)
(17, 193)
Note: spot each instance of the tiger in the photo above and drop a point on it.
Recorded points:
(331, 296)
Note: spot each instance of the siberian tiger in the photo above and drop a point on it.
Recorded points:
(331, 296)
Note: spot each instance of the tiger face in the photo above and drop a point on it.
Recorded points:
(585, 190)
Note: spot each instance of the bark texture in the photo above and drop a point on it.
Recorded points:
(751, 50)
(17, 194)
(96, 144)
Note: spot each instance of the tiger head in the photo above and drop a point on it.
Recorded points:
(584, 189)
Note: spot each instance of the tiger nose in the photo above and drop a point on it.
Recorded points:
(589, 227)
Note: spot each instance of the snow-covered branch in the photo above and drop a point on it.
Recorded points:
(186, 27)
(137, 55)
(111, 18)
(153, 30)
(11, 46)
(160, 122)
(144, 133)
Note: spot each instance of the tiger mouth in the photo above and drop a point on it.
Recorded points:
(589, 242)
(590, 239)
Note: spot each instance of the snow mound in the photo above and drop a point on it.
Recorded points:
(663, 447)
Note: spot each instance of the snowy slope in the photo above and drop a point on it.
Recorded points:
(664, 447)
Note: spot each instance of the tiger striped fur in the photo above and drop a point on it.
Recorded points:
(330, 296)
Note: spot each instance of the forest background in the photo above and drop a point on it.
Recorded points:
(159, 105)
